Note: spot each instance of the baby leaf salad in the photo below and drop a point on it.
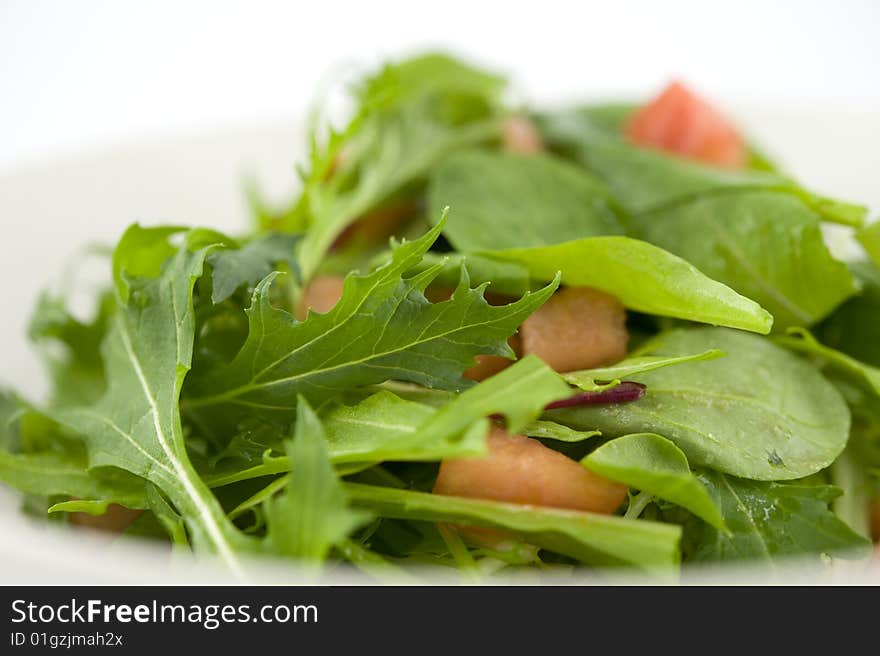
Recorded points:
(482, 338)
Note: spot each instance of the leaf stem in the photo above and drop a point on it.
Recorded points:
(638, 504)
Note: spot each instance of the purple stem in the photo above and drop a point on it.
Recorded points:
(624, 393)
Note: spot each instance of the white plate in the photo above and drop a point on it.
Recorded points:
(48, 211)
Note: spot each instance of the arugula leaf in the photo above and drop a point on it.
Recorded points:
(250, 263)
(852, 328)
(505, 200)
(49, 464)
(429, 75)
(760, 412)
(589, 379)
(136, 424)
(644, 278)
(766, 245)
(653, 464)
(771, 520)
(408, 121)
(382, 328)
(645, 179)
(603, 540)
(869, 238)
(53, 473)
(800, 340)
(313, 513)
(76, 370)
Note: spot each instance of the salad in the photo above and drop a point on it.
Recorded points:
(483, 338)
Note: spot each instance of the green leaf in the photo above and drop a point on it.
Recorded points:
(248, 265)
(644, 278)
(852, 328)
(601, 540)
(53, 473)
(504, 200)
(519, 392)
(426, 75)
(594, 380)
(869, 238)
(313, 513)
(550, 430)
(136, 425)
(800, 340)
(771, 520)
(408, 121)
(385, 427)
(76, 368)
(765, 245)
(760, 412)
(36, 458)
(653, 464)
(382, 328)
(503, 277)
(644, 179)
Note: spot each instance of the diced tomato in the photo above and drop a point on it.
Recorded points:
(680, 122)
(520, 135)
(578, 328)
(115, 520)
(320, 295)
(521, 470)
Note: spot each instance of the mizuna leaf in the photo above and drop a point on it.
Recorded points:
(382, 328)
(249, 264)
(136, 424)
(644, 277)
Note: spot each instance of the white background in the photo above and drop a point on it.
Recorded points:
(81, 79)
(84, 72)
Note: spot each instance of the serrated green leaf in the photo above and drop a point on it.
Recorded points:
(644, 277)
(653, 464)
(136, 424)
(382, 328)
(249, 264)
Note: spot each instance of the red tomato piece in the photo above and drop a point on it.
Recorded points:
(680, 122)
